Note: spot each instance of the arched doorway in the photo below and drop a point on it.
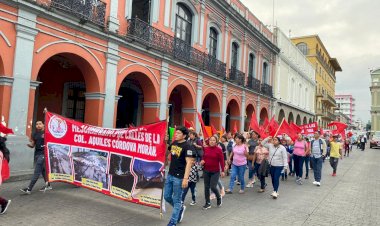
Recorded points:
(181, 105)
(248, 111)
(310, 120)
(298, 120)
(135, 91)
(211, 110)
(233, 116)
(291, 117)
(263, 115)
(65, 78)
(281, 115)
(304, 120)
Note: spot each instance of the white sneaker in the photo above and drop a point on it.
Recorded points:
(274, 195)
(318, 184)
(250, 185)
(315, 182)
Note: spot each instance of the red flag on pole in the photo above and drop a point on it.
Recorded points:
(186, 123)
(288, 130)
(214, 131)
(205, 134)
(266, 123)
(296, 128)
(254, 125)
(273, 126)
(339, 126)
(5, 130)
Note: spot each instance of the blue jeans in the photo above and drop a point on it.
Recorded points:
(291, 170)
(38, 170)
(237, 171)
(298, 165)
(307, 161)
(251, 170)
(193, 189)
(317, 168)
(173, 195)
(275, 173)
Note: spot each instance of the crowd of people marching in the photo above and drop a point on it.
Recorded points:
(192, 158)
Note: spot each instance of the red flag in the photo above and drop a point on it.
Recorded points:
(254, 125)
(5, 130)
(186, 123)
(295, 128)
(157, 119)
(273, 126)
(321, 131)
(235, 128)
(205, 134)
(192, 124)
(214, 131)
(266, 123)
(262, 132)
(288, 130)
(339, 126)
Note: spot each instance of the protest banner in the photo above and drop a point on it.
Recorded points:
(309, 129)
(124, 163)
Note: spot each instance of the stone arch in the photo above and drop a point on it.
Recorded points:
(290, 117)
(310, 120)
(182, 105)
(298, 120)
(263, 115)
(249, 110)
(281, 115)
(233, 115)
(211, 110)
(304, 120)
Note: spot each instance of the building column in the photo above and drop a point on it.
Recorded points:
(243, 112)
(151, 110)
(164, 91)
(113, 21)
(224, 105)
(5, 97)
(94, 108)
(199, 99)
(202, 24)
(167, 13)
(258, 106)
(22, 70)
(226, 43)
(110, 82)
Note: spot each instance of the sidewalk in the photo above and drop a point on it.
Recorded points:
(351, 198)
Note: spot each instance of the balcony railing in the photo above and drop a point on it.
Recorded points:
(266, 90)
(254, 84)
(237, 76)
(94, 10)
(153, 38)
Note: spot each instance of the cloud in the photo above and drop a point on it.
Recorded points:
(348, 29)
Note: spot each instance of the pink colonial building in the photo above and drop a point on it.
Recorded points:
(346, 106)
(115, 62)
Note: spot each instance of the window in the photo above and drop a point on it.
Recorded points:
(303, 48)
(213, 46)
(251, 67)
(234, 55)
(74, 100)
(141, 10)
(183, 24)
(265, 73)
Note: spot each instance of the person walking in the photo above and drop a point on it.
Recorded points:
(318, 152)
(290, 149)
(239, 162)
(335, 153)
(252, 143)
(37, 142)
(307, 158)
(347, 148)
(278, 161)
(182, 156)
(363, 141)
(213, 163)
(299, 152)
(260, 155)
(193, 179)
(4, 157)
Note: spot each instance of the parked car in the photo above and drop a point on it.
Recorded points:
(374, 142)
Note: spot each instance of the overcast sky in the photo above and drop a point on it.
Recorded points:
(349, 30)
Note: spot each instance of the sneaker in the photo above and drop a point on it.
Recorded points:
(46, 188)
(193, 203)
(207, 206)
(272, 193)
(249, 185)
(26, 191)
(275, 195)
(315, 182)
(241, 192)
(5, 206)
(228, 192)
(182, 213)
(219, 202)
(318, 184)
(238, 183)
(172, 224)
(334, 174)
(261, 191)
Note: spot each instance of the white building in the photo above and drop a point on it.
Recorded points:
(294, 86)
(346, 105)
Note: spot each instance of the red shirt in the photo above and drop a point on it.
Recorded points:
(214, 159)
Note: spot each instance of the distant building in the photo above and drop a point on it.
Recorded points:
(341, 117)
(375, 103)
(346, 105)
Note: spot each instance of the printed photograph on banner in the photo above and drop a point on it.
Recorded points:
(150, 181)
(90, 167)
(121, 176)
(60, 162)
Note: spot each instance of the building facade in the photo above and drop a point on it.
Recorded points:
(294, 85)
(346, 105)
(325, 70)
(114, 63)
(375, 99)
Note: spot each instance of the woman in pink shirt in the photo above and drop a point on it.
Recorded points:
(239, 163)
(259, 155)
(300, 148)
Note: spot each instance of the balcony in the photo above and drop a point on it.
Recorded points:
(254, 84)
(319, 112)
(93, 11)
(329, 100)
(152, 38)
(266, 90)
(329, 116)
(237, 76)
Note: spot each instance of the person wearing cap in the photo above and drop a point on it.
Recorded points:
(335, 153)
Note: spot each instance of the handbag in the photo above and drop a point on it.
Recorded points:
(264, 168)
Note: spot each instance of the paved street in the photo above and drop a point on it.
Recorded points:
(351, 198)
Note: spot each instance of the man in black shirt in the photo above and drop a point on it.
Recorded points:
(252, 143)
(37, 142)
(182, 159)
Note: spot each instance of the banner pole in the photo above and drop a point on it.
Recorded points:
(166, 162)
(279, 127)
(47, 169)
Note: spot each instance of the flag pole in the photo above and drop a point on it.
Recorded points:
(165, 164)
(279, 127)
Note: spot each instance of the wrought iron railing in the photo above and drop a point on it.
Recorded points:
(253, 84)
(151, 37)
(237, 76)
(86, 10)
(266, 90)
